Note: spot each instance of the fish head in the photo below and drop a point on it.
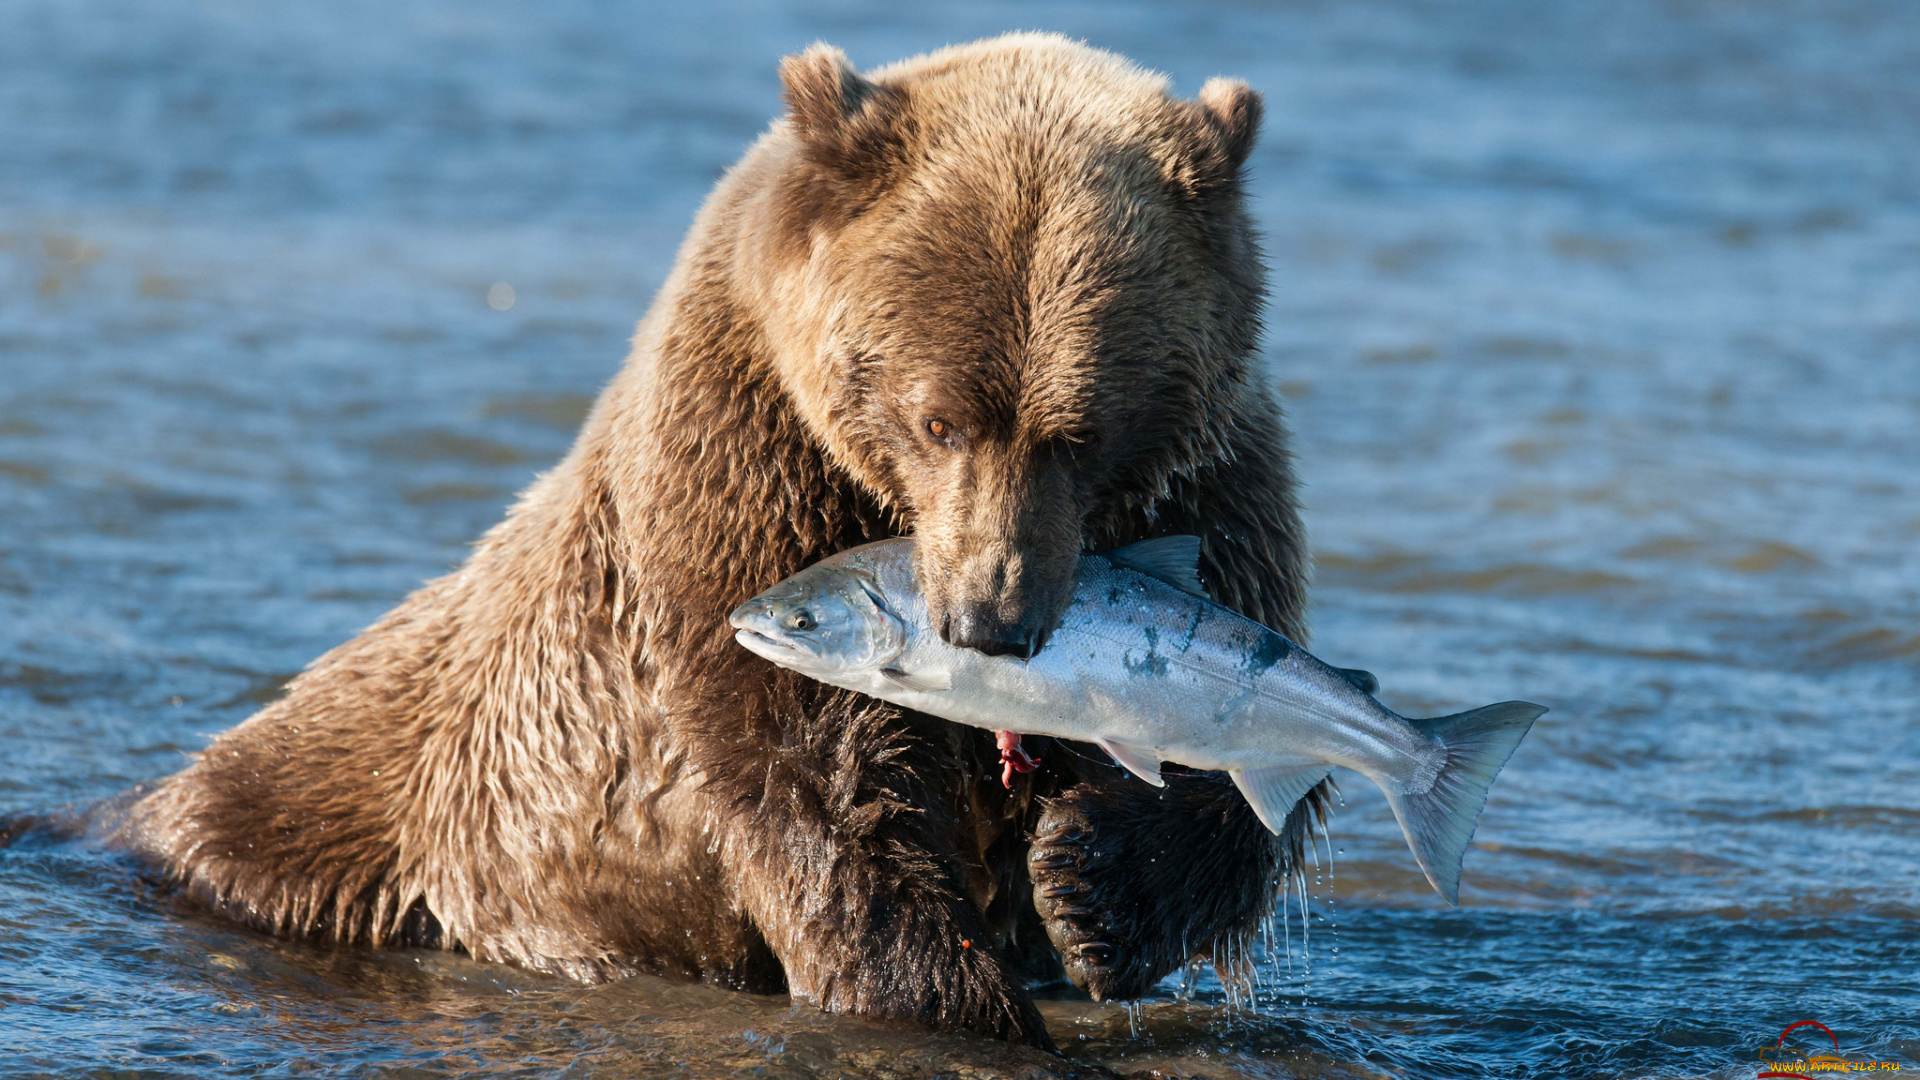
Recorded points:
(830, 622)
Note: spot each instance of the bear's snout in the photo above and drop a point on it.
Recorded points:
(997, 554)
(1001, 599)
(980, 627)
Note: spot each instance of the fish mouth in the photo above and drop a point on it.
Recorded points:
(772, 648)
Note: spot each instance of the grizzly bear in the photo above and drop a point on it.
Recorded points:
(1005, 297)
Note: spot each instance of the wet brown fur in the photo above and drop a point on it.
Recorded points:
(557, 757)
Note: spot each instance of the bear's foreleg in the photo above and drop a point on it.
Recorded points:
(847, 865)
(1132, 882)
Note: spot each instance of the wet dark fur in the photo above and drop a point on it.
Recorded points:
(557, 757)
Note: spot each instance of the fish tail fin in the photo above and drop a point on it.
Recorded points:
(1439, 821)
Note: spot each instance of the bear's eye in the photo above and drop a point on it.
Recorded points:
(940, 430)
(1074, 445)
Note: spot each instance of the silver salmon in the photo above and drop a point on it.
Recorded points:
(1148, 668)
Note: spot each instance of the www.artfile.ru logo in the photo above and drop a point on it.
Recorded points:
(1781, 1060)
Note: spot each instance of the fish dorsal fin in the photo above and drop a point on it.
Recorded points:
(925, 682)
(1364, 681)
(1173, 559)
(1139, 761)
(1274, 790)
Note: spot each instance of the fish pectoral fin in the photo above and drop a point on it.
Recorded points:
(922, 682)
(1274, 790)
(1363, 680)
(1173, 559)
(1137, 760)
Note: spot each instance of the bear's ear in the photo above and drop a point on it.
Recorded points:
(1233, 110)
(822, 90)
(846, 122)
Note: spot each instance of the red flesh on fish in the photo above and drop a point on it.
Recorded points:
(1013, 757)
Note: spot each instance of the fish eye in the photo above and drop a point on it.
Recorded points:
(801, 620)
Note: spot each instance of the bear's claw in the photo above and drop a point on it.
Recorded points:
(1077, 886)
(1116, 878)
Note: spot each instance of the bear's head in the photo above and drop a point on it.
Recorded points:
(1018, 294)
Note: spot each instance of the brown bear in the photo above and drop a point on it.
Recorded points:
(1005, 297)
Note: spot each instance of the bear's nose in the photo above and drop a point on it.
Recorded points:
(981, 630)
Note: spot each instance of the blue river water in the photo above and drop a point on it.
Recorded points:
(1599, 328)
